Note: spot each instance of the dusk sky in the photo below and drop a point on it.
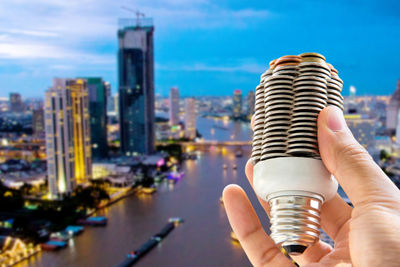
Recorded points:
(204, 47)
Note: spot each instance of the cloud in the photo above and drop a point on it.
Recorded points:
(240, 67)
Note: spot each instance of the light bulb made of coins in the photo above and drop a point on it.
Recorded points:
(288, 171)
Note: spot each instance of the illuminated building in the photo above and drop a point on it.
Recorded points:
(190, 118)
(136, 86)
(16, 104)
(98, 94)
(174, 106)
(38, 122)
(14, 250)
(251, 102)
(67, 135)
(237, 104)
(393, 110)
(363, 129)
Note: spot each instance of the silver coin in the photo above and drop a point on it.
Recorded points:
(309, 78)
(285, 67)
(309, 83)
(302, 139)
(279, 96)
(302, 129)
(333, 81)
(299, 89)
(310, 98)
(302, 134)
(335, 97)
(306, 108)
(295, 151)
(277, 112)
(304, 69)
(275, 139)
(337, 78)
(315, 65)
(304, 104)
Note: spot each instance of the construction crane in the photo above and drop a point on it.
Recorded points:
(136, 12)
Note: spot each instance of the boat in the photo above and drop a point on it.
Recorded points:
(239, 153)
(62, 236)
(234, 166)
(225, 166)
(74, 229)
(175, 220)
(94, 221)
(149, 190)
(53, 245)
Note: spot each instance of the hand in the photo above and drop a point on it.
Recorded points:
(366, 235)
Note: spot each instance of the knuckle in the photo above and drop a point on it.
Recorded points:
(268, 256)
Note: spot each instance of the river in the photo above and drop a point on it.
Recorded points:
(202, 240)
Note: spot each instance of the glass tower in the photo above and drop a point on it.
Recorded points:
(98, 94)
(136, 86)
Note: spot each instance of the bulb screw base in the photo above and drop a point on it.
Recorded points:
(295, 221)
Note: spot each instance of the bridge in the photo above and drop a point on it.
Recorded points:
(188, 146)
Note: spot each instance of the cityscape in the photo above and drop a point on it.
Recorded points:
(101, 176)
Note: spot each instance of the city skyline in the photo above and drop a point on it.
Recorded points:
(33, 52)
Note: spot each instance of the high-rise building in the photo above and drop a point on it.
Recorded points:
(251, 101)
(174, 106)
(67, 125)
(136, 86)
(237, 104)
(16, 104)
(98, 94)
(38, 122)
(363, 128)
(190, 118)
(393, 110)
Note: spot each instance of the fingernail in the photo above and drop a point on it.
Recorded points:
(336, 120)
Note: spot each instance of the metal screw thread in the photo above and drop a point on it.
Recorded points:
(295, 220)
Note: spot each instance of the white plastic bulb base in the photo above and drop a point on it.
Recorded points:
(295, 188)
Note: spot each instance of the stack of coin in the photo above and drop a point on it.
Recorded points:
(335, 85)
(310, 88)
(289, 98)
(278, 101)
(258, 123)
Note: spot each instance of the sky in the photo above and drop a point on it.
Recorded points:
(204, 47)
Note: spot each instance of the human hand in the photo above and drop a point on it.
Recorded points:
(366, 235)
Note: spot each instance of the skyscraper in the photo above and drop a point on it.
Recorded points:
(190, 118)
(237, 104)
(16, 104)
(393, 110)
(67, 135)
(136, 86)
(98, 94)
(251, 102)
(174, 106)
(38, 122)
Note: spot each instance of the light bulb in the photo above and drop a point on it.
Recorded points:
(288, 171)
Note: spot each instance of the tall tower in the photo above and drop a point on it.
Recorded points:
(38, 122)
(251, 102)
(174, 106)
(67, 135)
(190, 118)
(16, 104)
(237, 104)
(136, 85)
(393, 110)
(98, 94)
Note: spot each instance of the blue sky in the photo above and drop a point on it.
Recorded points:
(204, 47)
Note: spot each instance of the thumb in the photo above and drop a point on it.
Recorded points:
(361, 178)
